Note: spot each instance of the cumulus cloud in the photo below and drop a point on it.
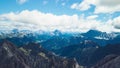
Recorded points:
(10, 25)
(107, 6)
(21, 1)
(116, 22)
(48, 22)
(102, 6)
(80, 6)
(92, 17)
(84, 5)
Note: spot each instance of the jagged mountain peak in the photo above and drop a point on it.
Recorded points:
(13, 57)
(94, 31)
(7, 45)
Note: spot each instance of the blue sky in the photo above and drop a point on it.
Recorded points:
(58, 7)
(104, 12)
(48, 6)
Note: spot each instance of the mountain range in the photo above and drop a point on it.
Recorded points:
(52, 40)
(92, 49)
(31, 56)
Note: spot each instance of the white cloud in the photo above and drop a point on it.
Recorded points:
(73, 6)
(102, 6)
(10, 25)
(84, 5)
(21, 1)
(80, 6)
(107, 6)
(92, 17)
(47, 21)
(116, 22)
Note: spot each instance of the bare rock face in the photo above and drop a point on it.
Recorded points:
(110, 61)
(31, 56)
(11, 57)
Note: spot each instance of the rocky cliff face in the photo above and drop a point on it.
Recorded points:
(110, 61)
(11, 57)
(102, 52)
(31, 56)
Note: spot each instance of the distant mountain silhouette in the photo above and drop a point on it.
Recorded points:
(57, 39)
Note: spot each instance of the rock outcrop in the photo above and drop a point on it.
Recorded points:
(31, 56)
(110, 61)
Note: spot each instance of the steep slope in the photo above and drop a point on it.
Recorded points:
(110, 61)
(31, 56)
(101, 52)
(11, 57)
(82, 52)
(58, 42)
(55, 42)
(36, 50)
